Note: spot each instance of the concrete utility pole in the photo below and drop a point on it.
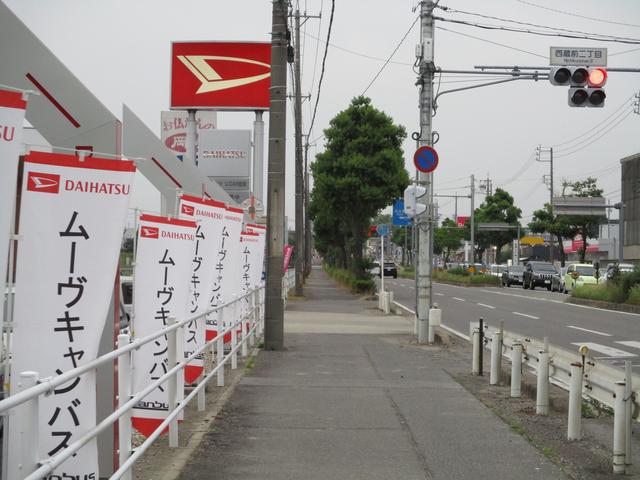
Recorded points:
(308, 240)
(274, 305)
(473, 219)
(425, 220)
(539, 159)
(300, 240)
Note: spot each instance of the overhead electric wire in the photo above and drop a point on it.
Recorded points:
(573, 14)
(490, 41)
(315, 60)
(624, 51)
(324, 59)
(518, 22)
(534, 32)
(525, 166)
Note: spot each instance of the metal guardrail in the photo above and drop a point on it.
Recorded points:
(25, 401)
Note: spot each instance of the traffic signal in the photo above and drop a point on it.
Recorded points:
(585, 84)
(411, 206)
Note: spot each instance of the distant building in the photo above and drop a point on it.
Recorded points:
(631, 201)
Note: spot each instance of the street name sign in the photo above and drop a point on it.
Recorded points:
(583, 56)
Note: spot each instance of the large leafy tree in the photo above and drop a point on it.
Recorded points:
(586, 226)
(447, 239)
(360, 172)
(557, 225)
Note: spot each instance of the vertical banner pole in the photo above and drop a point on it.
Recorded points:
(124, 393)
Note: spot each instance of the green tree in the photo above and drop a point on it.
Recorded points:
(360, 172)
(557, 225)
(587, 226)
(447, 239)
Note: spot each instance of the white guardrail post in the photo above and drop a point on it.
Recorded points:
(496, 353)
(475, 368)
(124, 394)
(172, 358)
(26, 417)
(234, 343)
(619, 428)
(628, 399)
(542, 388)
(516, 370)
(574, 428)
(220, 360)
(435, 320)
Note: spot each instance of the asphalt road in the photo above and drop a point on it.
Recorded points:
(612, 336)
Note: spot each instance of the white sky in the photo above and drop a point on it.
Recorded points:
(120, 50)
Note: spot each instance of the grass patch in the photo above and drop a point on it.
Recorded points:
(608, 292)
(465, 280)
(407, 273)
(251, 362)
(260, 344)
(347, 279)
(634, 295)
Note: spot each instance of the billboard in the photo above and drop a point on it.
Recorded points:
(173, 131)
(225, 157)
(221, 75)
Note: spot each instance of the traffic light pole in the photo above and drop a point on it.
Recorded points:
(473, 219)
(300, 230)
(425, 220)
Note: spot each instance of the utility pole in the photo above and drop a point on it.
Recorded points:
(300, 240)
(425, 220)
(473, 219)
(274, 305)
(550, 161)
(308, 240)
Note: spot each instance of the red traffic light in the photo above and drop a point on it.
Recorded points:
(597, 77)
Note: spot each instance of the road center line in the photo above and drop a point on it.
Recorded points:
(459, 299)
(590, 331)
(525, 315)
(487, 306)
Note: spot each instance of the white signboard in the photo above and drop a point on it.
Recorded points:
(578, 56)
(160, 290)
(209, 216)
(12, 108)
(174, 128)
(260, 251)
(72, 216)
(226, 282)
(225, 156)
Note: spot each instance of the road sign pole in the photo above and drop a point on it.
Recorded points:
(424, 220)
(381, 264)
(473, 219)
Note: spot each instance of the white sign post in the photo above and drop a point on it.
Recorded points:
(72, 215)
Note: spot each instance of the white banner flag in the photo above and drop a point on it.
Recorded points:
(209, 216)
(12, 108)
(72, 216)
(226, 282)
(260, 251)
(160, 290)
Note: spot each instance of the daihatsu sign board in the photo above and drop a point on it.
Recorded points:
(220, 75)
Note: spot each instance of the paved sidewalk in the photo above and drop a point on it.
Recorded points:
(353, 397)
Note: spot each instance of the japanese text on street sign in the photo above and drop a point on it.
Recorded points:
(591, 56)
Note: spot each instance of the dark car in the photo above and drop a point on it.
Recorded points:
(390, 270)
(538, 274)
(512, 275)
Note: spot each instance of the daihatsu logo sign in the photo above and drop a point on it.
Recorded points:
(221, 75)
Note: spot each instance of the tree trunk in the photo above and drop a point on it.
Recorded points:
(498, 254)
(563, 256)
(583, 253)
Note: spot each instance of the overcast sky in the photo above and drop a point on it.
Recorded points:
(120, 50)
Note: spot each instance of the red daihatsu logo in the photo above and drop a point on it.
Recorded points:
(150, 232)
(43, 182)
(188, 209)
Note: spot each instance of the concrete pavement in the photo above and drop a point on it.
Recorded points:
(354, 397)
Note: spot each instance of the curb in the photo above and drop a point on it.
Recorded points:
(618, 307)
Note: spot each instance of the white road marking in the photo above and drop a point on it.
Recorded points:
(526, 315)
(590, 331)
(630, 343)
(488, 306)
(459, 299)
(608, 351)
(439, 294)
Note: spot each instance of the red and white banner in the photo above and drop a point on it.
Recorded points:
(226, 282)
(72, 216)
(12, 108)
(161, 289)
(259, 253)
(222, 75)
(288, 252)
(209, 216)
(249, 246)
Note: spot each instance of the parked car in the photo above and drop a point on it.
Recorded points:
(512, 275)
(390, 269)
(557, 281)
(497, 270)
(538, 274)
(580, 274)
(622, 268)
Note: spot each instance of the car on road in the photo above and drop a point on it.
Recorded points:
(580, 274)
(497, 270)
(390, 269)
(622, 268)
(512, 275)
(557, 281)
(538, 274)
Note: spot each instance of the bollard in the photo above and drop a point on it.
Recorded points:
(516, 370)
(542, 394)
(202, 400)
(574, 428)
(245, 331)
(26, 417)
(220, 359)
(481, 349)
(496, 353)
(628, 404)
(234, 342)
(124, 394)
(172, 383)
(435, 320)
(475, 338)
(619, 428)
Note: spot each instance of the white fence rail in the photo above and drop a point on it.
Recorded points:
(24, 403)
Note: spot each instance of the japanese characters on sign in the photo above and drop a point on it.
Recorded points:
(72, 216)
(590, 56)
(162, 272)
(12, 108)
(173, 132)
(209, 216)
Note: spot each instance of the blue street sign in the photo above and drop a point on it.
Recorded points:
(400, 218)
(382, 229)
(426, 159)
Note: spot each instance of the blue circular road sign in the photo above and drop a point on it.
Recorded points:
(382, 229)
(425, 159)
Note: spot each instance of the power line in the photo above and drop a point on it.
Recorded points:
(564, 12)
(525, 166)
(623, 52)
(491, 42)
(557, 29)
(324, 59)
(535, 32)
